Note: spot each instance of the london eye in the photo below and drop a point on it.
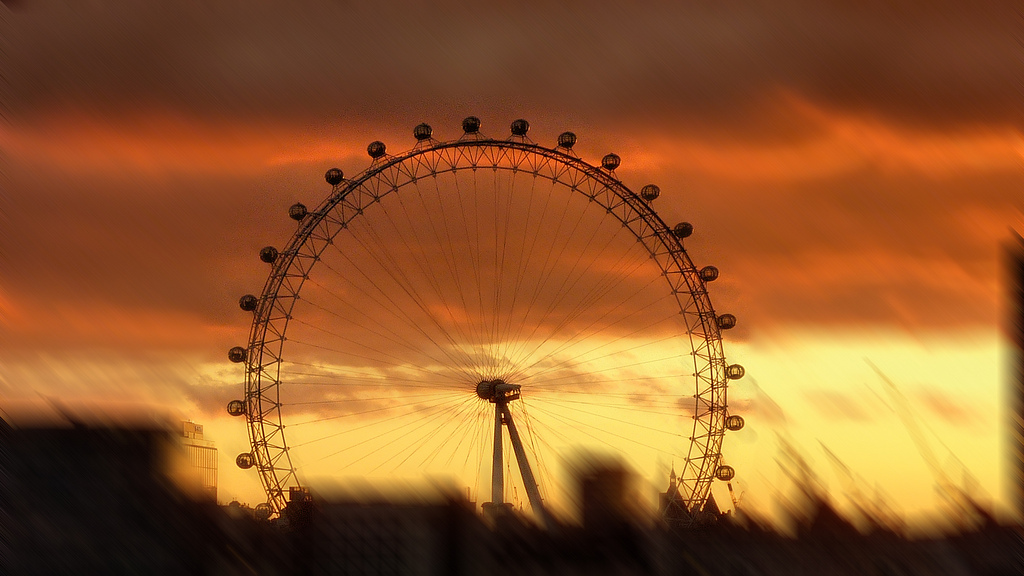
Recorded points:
(476, 309)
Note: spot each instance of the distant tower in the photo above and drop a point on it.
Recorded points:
(202, 455)
(670, 503)
(1015, 388)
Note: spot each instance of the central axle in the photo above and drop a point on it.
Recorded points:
(496, 391)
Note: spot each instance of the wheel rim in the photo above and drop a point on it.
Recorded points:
(362, 257)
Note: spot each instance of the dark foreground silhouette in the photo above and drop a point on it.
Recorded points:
(103, 499)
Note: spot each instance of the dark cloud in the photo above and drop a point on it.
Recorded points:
(658, 63)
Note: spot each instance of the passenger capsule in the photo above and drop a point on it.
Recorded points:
(471, 125)
(237, 354)
(520, 127)
(566, 140)
(650, 192)
(610, 161)
(245, 460)
(683, 230)
(726, 321)
(376, 149)
(248, 302)
(334, 176)
(734, 423)
(422, 132)
(297, 211)
(709, 273)
(236, 408)
(268, 254)
(725, 473)
(263, 511)
(734, 372)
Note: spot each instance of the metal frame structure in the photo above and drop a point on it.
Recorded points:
(388, 174)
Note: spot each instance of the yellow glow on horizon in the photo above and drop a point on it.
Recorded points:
(826, 395)
(805, 386)
(830, 395)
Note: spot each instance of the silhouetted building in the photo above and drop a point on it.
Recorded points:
(603, 492)
(104, 500)
(1015, 390)
(671, 507)
(98, 499)
(381, 537)
(202, 456)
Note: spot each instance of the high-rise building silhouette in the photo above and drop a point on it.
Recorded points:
(202, 456)
(1014, 394)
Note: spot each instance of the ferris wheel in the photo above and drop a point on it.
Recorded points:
(471, 300)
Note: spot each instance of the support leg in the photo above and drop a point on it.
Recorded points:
(497, 472)
(532, 491)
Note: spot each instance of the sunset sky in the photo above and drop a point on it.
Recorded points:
(852, 168)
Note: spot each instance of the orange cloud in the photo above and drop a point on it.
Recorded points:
(955, 411)
(162, 142)
(69, 324)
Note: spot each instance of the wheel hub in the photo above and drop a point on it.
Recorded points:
(497, 390)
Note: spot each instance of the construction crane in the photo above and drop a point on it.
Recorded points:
(732, 496)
